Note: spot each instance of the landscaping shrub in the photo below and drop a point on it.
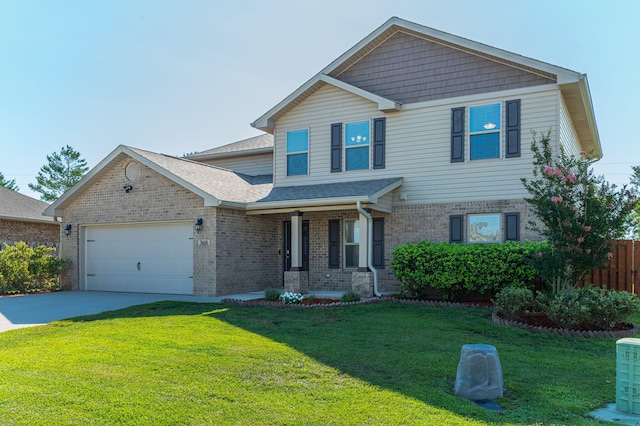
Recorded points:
(513, 301)
(350, 296)
(26, 269)
(459, 269)
(589, 306)
(272, 294)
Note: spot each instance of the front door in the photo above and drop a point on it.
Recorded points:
(286, 240)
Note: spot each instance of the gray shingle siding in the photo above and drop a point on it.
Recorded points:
(409, 69)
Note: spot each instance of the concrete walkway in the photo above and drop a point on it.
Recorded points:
(39, 309)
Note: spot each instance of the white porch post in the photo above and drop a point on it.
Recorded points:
(363, 264)
(296, 241)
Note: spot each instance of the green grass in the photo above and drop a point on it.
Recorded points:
(176, 363)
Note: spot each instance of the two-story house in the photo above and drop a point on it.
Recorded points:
(411, 134)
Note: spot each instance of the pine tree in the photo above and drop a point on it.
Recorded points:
(9, 184)
(63, 170)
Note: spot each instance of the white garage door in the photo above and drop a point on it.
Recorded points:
(153, 258)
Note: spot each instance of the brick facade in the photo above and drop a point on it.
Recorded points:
(34, 234)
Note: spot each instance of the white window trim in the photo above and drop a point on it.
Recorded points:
(286, 161)
(500, 132)
(499, 229)
(368, 145)
(356, 225)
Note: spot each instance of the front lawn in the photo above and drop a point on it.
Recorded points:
(176, 363)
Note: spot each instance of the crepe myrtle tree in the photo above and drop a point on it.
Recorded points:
(62, 171)
(578, 213)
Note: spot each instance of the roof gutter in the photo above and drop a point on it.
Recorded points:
(364, 213)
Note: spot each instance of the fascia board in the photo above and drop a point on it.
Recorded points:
(243, 153)
(384, 191)
(384, 104)
(22, 219)
(57, 207)
(307, 202)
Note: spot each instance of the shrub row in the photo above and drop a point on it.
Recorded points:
(457, 270)
(575, 308)
(24, 269)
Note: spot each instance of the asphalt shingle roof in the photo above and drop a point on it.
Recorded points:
(16, 206)
(223, 184)
(257, 142)
(328, 190)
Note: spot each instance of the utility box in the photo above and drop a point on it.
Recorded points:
(628, 375)
(479, 375)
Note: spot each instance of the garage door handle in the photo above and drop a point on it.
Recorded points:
(138, 266)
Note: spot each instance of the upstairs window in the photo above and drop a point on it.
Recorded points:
(357, 142)
(298, 152)
(484, 132)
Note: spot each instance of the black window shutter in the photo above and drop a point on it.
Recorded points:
(336, 147)
(334, 243)
(513, 128)
(379, 136)
(378, 243)
(457, 135)
(512, 226)
(456, 228)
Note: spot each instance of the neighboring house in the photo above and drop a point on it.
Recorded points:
(21, 219)
(411, 134)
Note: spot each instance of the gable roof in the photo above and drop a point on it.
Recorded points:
(217, 186)
(18, 207)
(573, 85)
(261, 144)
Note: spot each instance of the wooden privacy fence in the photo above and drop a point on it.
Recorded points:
(622, 271)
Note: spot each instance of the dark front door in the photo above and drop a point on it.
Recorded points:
(286, 233)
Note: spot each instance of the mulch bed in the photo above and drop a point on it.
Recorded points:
(537, 323)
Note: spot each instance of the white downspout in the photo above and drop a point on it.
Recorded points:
(370, 251)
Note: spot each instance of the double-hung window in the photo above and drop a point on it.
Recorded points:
(298, 152)
(484, 131)
(351, 243)
(357, 143)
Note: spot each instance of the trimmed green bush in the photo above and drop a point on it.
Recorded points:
(459, 269)
(591, 306)
(25, 269)
(272, 294)
(350, 296)
(513, 301)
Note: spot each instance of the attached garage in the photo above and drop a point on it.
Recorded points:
(140, 258)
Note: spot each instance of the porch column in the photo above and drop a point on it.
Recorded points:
(296, 241)
(363, 264)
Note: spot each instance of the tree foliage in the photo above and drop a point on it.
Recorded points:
(579, 214)
(62, 171)
(9, 184)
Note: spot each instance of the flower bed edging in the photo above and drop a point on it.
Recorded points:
(588, 334)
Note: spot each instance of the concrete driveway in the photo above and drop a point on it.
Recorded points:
(39, 309)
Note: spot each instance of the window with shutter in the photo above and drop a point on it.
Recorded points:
(512, 226)
(456, 234)
(512, 128)
(334, 243)
(336, 147)
(378, 243)
(379, 136)
(457, 135)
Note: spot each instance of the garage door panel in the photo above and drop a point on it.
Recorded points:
(155, 258)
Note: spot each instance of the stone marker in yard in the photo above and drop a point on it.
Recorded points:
(479, 373)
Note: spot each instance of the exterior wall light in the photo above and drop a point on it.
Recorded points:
(198, 224)
(127, 188)
(67, 229)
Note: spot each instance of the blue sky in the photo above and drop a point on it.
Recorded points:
(181, 76)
